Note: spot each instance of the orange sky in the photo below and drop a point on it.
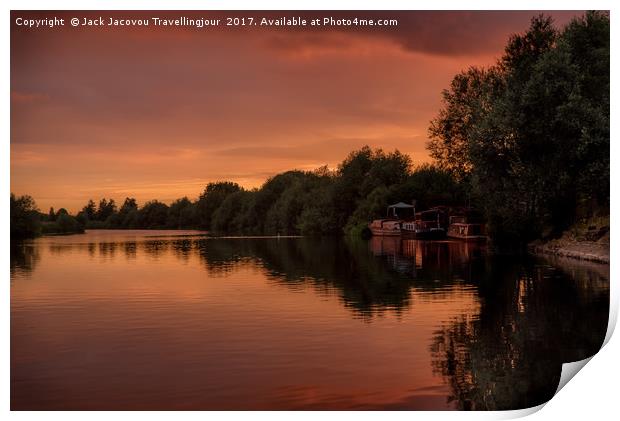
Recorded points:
(157, 113)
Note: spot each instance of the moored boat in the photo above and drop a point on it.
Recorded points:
(385, 227)
(428, 224)
(467, 226)
(403, 220)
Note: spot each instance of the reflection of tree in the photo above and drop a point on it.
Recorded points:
(129, 249)
(24, 257)
(532, 319)
(367, 282)
(156, 248)
(182, 249)
(364, 283)
(221, 256)
(108, 249)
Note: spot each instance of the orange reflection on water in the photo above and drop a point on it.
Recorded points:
(154, 323)
(175, 320)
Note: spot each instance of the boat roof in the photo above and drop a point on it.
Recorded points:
(401, 205)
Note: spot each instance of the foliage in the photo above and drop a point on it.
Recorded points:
(64, 224)
(311, 203)
(106, 209)
(530, 135)
(233, 216)
(89, 211)
(25, 221)
(211, 199)
(28, 222)
(154, 214)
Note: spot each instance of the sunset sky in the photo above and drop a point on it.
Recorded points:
(157, 113)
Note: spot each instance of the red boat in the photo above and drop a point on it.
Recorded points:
(385, 227)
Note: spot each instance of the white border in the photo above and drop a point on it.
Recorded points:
(592, 394)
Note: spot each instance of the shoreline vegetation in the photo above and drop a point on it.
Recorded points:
(587, 240)
(525, 141)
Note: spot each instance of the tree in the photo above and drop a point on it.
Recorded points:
(153, 215)
(211, 199)
(105, 210)
(284, 213)
(320, 214)
(531, 134)
(89, 211)
(25, 221)
(65, 223)
(471, 93)
(129, 205)
(233, 215)
(127, 213)
(181, 214)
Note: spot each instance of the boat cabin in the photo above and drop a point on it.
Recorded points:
(467, 224)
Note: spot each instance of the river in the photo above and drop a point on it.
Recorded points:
(152, 320)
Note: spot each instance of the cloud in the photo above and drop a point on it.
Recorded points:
(27, 97)
(142, 106)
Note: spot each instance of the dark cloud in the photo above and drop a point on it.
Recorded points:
(429, 32)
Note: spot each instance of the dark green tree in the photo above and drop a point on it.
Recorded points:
(90, 210)
(531, 134)
(153, 215)
(127, 213)
(106, 209)
(128, 205)
(25, 221)
(181, 214)
(211, 199)
(65, 224)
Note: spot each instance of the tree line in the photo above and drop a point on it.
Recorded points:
(319, 202)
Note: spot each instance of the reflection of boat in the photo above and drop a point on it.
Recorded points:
(409, 255)
(467, 226)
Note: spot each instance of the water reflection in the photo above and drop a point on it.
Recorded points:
(438, 260)
(532, 319)
(24, 258)
(427, 325)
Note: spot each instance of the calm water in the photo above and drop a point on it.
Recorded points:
(171, 320)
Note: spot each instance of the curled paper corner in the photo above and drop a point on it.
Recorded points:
(517, 413)
(614, 303)
(569, 370)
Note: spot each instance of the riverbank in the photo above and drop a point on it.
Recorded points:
(64, 225)
(588, 241)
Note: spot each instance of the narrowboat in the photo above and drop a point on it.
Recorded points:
(468, 225)
(428, 224)
(402, 219)
(392, 224)
(385, 227)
